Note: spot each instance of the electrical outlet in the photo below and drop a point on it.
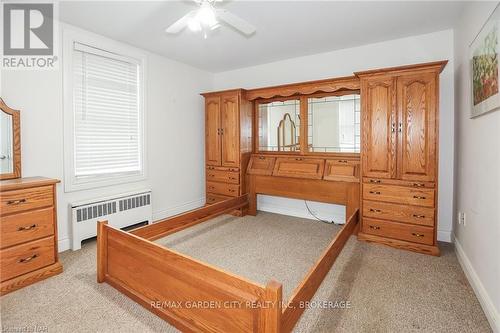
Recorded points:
(461, 218)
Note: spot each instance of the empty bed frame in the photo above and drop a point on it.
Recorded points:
(195, 296)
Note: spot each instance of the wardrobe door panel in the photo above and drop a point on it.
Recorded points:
(212, 129)
(379, 120)
(230, 131)
(417, 127)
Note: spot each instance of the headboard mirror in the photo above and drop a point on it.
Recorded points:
(333, 124)
(10, 150)
(319, 123)
(279, 123)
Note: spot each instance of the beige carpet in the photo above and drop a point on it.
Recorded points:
(389, 290)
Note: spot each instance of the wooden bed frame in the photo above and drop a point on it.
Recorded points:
(197, 297)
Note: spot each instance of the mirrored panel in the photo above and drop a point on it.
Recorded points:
(6, 143)
(279, 126)
(334, 124)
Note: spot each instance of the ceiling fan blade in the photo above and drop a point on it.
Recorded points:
(235, 21)
(181, 23)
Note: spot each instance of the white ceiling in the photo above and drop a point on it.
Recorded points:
(285, 29)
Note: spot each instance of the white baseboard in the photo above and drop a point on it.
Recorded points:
(298, 210)
(481, 293)
(63, 245)
(444, 236)
(162, 214)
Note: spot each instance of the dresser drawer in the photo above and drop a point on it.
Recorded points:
(298, 167)
(24, 258)
(223, 176)
(27, 226)
(25, 199)
(224, 189)
(342, 170)
(210, 167)
(398, 182)
(399, 213)
(399, 194)
(214, 198)
(401, 231)
(261, 165)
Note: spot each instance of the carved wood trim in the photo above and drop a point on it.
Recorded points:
(305, 88)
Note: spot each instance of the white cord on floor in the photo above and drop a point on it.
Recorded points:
(317, 218)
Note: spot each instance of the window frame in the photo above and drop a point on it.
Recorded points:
(71, 182)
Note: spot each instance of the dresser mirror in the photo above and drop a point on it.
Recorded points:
(10, 150)
(333, 124)
(279, 126)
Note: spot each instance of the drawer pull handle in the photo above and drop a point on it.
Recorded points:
(375, 210)
(299, 159)
(231, 190)
(211, 175)
(33, 226)
(16, 202)
(374, 192)
(262, 158)
(374, 227)
(232, 178)
(28, 259)
(211, 187)
(419, 216)
(417, 234)
(418, 197)
(418, 184)
(342, 161)
(374, 181)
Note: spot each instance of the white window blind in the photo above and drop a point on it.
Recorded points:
(107, 114)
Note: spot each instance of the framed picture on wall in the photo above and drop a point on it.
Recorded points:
(484, 61)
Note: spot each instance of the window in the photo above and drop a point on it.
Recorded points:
(104, 126)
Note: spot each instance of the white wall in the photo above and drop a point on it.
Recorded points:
(416, 49)
(477, 184)
(174, 135)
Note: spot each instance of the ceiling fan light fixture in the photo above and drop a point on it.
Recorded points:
(194, 25)
(206, 15)
(207, 18)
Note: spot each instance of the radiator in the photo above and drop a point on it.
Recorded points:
(120, 211)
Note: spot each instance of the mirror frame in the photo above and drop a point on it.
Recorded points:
(16, 141)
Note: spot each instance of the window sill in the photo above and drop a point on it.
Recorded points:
(74, 185)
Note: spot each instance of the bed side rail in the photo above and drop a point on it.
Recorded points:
(189, 294)
(182, 221)
(306, 290)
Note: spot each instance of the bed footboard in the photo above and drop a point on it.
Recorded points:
(189, 294)
(306, 290)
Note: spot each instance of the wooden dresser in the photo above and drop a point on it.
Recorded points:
(400, 156)
(28, 230)
(228, 143)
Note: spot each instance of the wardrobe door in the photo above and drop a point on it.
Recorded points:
(417, 105)
(212, 131)
(378, 127)
(230, 131)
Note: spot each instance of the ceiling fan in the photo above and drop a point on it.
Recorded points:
(207, 18)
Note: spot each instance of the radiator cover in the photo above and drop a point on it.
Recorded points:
(120, 211)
